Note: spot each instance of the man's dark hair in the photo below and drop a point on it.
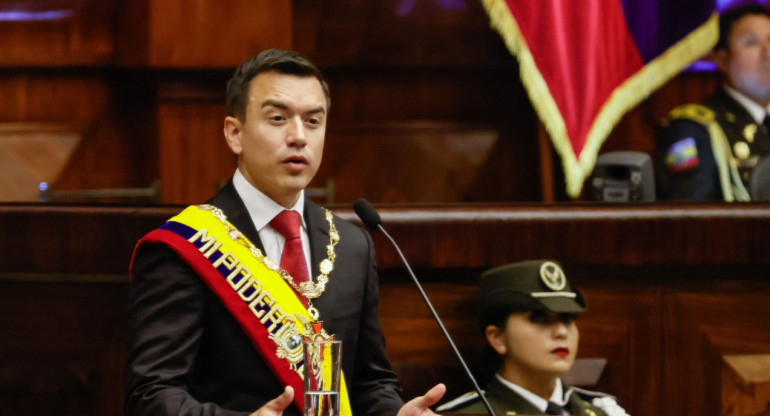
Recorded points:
(278, 60)
(730, 16)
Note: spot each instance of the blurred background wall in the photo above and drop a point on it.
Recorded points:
(427, 102)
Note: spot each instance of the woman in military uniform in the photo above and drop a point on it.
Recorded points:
(528, 313)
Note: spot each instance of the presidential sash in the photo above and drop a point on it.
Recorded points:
(265, 306)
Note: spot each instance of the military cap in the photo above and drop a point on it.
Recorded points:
(524, 286)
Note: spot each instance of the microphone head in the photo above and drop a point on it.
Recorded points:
(367, 213)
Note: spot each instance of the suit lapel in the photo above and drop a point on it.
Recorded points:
(232, 205)
(234, 208)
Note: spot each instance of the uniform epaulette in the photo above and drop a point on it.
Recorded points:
(461, 401)
(603, 401)
(589, 395)
(695, 112)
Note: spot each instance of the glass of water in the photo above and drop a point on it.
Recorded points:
(323, 376)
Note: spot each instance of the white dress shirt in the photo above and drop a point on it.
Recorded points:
(557, 396)
(757, 112)
(262, 210)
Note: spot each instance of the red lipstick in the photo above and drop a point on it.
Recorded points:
(560, 351)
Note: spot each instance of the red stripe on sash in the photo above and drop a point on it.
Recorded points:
(250, 324)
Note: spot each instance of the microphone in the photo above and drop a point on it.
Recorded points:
(371, 219)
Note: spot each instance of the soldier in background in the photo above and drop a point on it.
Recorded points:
(708, 151)
(528, 312)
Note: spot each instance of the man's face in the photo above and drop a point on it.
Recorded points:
(746, 62)
(280, 145)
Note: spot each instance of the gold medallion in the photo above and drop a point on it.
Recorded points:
(741, 150)
(288, 339)
(309, 289)
(749, 131)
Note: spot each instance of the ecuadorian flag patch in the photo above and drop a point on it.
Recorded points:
(682, 155)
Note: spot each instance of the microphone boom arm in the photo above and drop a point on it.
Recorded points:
(440, 324)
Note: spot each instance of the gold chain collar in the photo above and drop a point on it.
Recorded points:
(308, 289)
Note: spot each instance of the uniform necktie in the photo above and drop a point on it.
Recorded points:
(554, 409)
(293, 260)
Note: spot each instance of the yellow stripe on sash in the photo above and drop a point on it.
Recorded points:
(239, 260)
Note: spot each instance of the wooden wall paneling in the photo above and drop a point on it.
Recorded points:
(194, 157)
(548, 194)
(418, 350)
(61, 96)
(622, 325)
(32, 153)
(397, 34)
(202, 33)
(62, 347)
(56, 33)
(745, 385)
(111, 111)
(119, 146)
(393, 63)
(46, 114)
(416, 162)
(46, 241)
(399, 107)
(709, 315)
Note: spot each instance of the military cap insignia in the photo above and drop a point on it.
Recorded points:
(749, 131)
(553, 276)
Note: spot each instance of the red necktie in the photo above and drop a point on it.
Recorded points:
(293, 256)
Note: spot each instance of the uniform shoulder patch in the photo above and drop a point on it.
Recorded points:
(458, 402)
(695, 112)
(682, 155)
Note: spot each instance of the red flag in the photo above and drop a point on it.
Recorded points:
(585, 63)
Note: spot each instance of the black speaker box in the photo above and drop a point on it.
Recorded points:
(623, 177)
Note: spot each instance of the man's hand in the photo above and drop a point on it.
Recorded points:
(275, 407)
(419, 405)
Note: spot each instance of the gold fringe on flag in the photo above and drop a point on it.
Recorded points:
(623, 98)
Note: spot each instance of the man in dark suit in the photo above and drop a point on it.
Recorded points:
(187, 352)
(708, 152)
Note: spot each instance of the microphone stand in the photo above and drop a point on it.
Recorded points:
(440, 324)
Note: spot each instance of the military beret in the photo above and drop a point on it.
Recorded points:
(524, 286)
